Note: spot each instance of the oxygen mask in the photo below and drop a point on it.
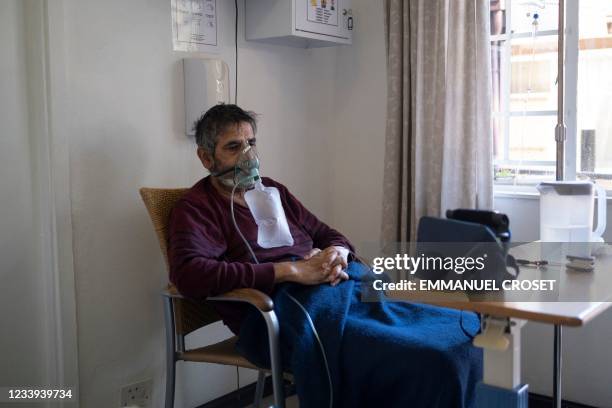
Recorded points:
(244, 173)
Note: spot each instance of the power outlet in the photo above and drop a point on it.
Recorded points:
(137, 394)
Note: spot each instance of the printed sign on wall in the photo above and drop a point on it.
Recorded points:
(194, 25)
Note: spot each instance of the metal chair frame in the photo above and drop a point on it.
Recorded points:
(175, 344)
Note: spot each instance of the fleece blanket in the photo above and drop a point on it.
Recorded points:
(375, 354)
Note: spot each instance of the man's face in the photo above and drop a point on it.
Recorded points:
(228, 148)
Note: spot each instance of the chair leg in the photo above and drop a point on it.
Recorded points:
(170, 352)
(275, 359)
(170, 376)
(259, 389)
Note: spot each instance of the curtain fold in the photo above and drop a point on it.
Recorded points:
(438, 145)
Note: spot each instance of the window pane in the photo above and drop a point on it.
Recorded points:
(499, 140)
(499, 74)
(594, 97)
(498, 17)
(534, 74)
(498, 103)
(526, 12)
(524, 72)
(532, 138)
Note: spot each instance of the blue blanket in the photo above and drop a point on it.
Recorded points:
(378, 354)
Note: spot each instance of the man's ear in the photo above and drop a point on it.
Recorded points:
(206, 158)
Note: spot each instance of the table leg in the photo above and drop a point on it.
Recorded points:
(557, 367)
(501, 384)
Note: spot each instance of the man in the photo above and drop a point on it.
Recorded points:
(342, 351)
(206, 253)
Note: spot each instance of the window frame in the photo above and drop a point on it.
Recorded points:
(570, 93)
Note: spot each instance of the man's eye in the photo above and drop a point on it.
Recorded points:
(252, 142)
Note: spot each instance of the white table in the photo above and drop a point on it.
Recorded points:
(502, 369)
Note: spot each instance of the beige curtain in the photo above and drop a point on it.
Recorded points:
(438, 152)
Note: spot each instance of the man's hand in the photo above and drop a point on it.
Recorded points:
(316, 268)
(337, 261)
(340, 263)
(313, 252)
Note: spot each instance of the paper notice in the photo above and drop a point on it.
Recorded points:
(194, 25)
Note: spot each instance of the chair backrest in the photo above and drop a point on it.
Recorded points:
(189, 315)
(159, 203)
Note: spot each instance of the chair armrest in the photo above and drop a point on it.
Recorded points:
(172, 292)
(247, 295)
(252, 296)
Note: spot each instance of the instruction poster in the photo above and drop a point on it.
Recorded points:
(194, 25)
(323, 11)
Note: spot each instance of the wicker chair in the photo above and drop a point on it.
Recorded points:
(183, 316)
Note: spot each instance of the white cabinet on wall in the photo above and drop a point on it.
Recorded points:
(300, 23)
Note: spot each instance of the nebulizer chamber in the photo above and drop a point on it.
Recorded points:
(263, 202)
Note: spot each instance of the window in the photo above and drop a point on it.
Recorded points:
(524, 105)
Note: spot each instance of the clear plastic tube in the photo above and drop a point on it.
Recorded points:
(236, 224)
(308, 318)
(316, 334)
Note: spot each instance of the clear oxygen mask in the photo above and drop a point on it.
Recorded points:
(244, 173)
(246, 170)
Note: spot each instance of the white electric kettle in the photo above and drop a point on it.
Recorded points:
(567, 211)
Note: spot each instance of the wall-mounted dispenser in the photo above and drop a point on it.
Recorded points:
(206, 85)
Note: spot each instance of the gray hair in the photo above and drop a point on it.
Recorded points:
(216, 120)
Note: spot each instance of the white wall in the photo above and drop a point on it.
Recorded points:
(126, 131)
(22, 358)
(359, 116)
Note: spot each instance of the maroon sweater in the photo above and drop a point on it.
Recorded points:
(208, 257)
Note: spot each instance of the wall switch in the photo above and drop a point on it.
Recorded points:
(137, 394)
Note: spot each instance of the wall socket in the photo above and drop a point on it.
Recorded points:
(137, 394)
